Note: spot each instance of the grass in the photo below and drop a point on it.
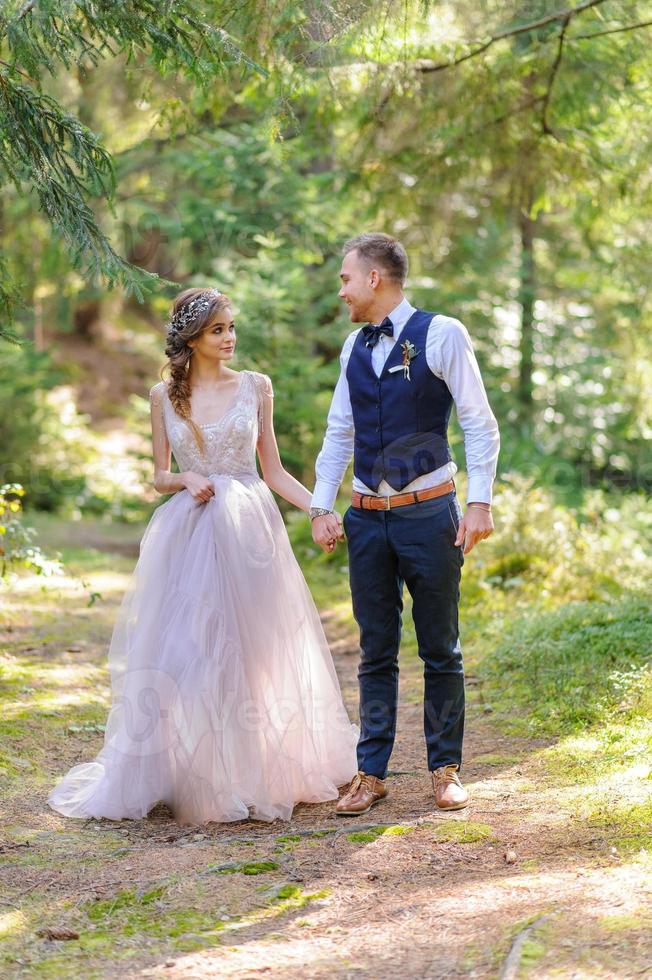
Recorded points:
(626, 922)
(566, 670)
(629, 826)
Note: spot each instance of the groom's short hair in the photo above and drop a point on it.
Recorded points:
(382, 250)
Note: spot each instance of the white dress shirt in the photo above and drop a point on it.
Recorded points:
(450, 356)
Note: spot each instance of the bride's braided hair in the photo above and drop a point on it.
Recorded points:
(192, 311)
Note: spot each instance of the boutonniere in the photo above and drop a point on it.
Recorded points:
(409, 353)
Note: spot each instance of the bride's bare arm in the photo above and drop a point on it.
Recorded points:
(275, 475)
(165, 481)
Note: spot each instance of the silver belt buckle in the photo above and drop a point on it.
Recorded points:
(388, 505)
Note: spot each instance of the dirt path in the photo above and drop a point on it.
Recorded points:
(519, 884)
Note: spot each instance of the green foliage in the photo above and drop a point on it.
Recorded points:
(463, 158)
(17, 541)
(51, 150)
(245, 158)
(43, 449)
(568, 669)
(176, 36)
(50, 449)
(560, 599)
(547, 552)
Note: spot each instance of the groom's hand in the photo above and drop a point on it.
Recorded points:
(327, 531)
(476, 525)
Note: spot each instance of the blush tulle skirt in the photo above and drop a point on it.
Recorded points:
(225, 701)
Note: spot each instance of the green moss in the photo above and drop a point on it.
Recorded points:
(57, 966)
(373, 833)
(626, 922)
(244, 867)
(287, 843)
(534, 947)
(259, 867)
(462, 831)
(133, 915)
(123, 900)
(293, 897)
(629, 828)
(531, 952)
(532, 864)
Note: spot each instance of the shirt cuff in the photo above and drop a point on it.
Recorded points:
(324, 494)
(479, 489)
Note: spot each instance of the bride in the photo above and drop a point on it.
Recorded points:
(225, 702)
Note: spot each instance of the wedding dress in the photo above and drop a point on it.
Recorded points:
(225, 701)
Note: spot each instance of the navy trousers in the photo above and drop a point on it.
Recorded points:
(411, 545)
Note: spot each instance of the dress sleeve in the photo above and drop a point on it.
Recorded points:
(156, 399)
(157, 405)
(265, 392)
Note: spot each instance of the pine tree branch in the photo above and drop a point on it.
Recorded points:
(172, 34)
(613, 30)
(49, 139)
(65, 163)
(563, 15)
(504, 116)
(17, 69)
(50, 150)
(10, 299)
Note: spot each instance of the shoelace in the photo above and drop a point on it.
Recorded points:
(447, 775)
(359, 780)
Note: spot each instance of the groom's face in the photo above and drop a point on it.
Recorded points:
(357, 286)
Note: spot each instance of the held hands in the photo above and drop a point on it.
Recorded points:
(199, 487)
(476, 525)
(327, 531)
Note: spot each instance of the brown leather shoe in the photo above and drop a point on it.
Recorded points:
(449, 792)
(361, 795)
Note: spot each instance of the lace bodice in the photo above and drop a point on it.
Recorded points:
(230, 441)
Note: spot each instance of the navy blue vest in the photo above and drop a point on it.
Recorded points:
(400, 425)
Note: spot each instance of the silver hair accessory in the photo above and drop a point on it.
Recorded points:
(195, 308)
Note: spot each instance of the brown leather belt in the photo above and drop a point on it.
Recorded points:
(369, 502)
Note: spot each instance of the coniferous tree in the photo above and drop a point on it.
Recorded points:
(48, 150)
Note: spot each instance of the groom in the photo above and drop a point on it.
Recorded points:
(400, 374)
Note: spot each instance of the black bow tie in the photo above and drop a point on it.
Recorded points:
(372, 334)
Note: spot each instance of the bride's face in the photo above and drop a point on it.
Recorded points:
(217, 340)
